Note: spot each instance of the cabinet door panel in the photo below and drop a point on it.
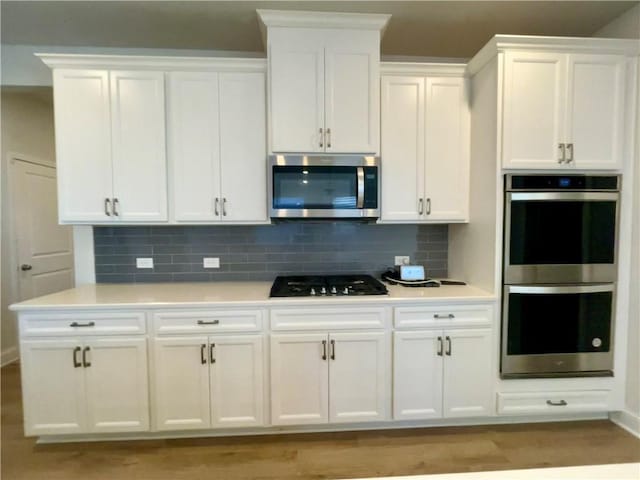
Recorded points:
(53, 389)
(534, 101)
(468, 384)
(359, 383)
(296, 62)
(181, 383)
(83, 144)
(237, 389)
(447, 150)
(117, 387)
(243, 148)
(138, 142)
(595, 110)
(417, 375)
(299, 379)
(194, 144)
(352, 98)
(403, 142)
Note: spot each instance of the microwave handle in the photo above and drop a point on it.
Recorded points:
(360, 198)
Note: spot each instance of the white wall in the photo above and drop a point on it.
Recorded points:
(26, 117)
(626, 25)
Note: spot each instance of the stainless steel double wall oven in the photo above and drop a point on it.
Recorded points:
(560, 255)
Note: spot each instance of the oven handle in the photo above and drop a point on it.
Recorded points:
(562, 196)
(360, 200)
(539, 290)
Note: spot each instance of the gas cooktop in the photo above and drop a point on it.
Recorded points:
(326, 286)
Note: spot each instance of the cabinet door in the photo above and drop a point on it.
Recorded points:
(595, 110)
(299, 379)
(194, 145)
(181, 383)
(296, 63)
(83, 144)
(243, 147)
(446, 168)
(534, 95)
(237, 380)
(352, 92)
(53, 387)
(417, 374)
(359, 379)
(116, 384)
(468, 384)
(138, 143)
(402, 149)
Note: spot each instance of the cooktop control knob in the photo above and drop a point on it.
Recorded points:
(345, 291)
(312, 291)
(323, 291)
(334, 291)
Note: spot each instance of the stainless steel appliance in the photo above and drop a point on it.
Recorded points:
(342, 187)
(560, 253)
(326, 286)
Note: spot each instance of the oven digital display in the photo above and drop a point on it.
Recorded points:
(564, 182)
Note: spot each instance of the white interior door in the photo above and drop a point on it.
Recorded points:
(44, 248)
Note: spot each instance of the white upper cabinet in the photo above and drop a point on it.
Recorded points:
(562, 110)
(323, 81)
(217, 146)
(425, 145)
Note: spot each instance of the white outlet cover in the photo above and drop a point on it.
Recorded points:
(211, 262)
(144, 262)
(401, 260)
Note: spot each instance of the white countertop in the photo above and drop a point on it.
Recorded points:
(151, 295)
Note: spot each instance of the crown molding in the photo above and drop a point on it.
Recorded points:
(423, 68)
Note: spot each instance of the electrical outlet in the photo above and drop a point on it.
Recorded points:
(211, 262)
(402, 260)
(144, 262)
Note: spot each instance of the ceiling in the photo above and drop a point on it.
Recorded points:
(421, 28)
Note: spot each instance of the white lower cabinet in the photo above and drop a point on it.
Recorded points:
(211, 381)
(442, 373)
(85, 385)
(337, 377)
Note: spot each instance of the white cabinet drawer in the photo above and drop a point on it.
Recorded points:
(329, 318)
(70, 323)
(442, 316)
(553, 402)
(207, 321)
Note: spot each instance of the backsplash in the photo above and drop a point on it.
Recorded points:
(265, 251)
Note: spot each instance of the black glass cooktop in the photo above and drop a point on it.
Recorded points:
(326, 286)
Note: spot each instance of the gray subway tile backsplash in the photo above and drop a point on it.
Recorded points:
(265, 251)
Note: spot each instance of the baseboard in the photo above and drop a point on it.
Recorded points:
(8, 356)
(627, 420)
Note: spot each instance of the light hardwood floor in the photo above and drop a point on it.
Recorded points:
(310, 456)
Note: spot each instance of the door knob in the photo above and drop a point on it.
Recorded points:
(24, 267)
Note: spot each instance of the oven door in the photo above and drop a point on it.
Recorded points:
(557, 330)
(561, 237)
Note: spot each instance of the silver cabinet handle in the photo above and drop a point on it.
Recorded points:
(116, 202)
(324, 349)
(216, 211)
(107, 207)
(224, 207)
(205, 322)
(428, 206)
(448, 352)
(76, 362)
(333, 349)
(86, 363)
(76, 324)
(203, 349)
(328, 138)
(569, 152)
(25, 267)
(212, 356)
(560, 403)
(420, 206)
(448, 315)
(439, 346)
(321, 136)
(561, 152)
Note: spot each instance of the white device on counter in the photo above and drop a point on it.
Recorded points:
(411, 272)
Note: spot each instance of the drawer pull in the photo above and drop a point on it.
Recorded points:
(76, 363)
(448, 315)
(440, 346)
(559, 403)
(448, 339)
(85, 363)
(76, 324)
(205, 322)
(324, 349)
(212, 355)
(333, 349)
(203, 349)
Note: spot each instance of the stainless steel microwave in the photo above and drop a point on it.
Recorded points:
(331, 187)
